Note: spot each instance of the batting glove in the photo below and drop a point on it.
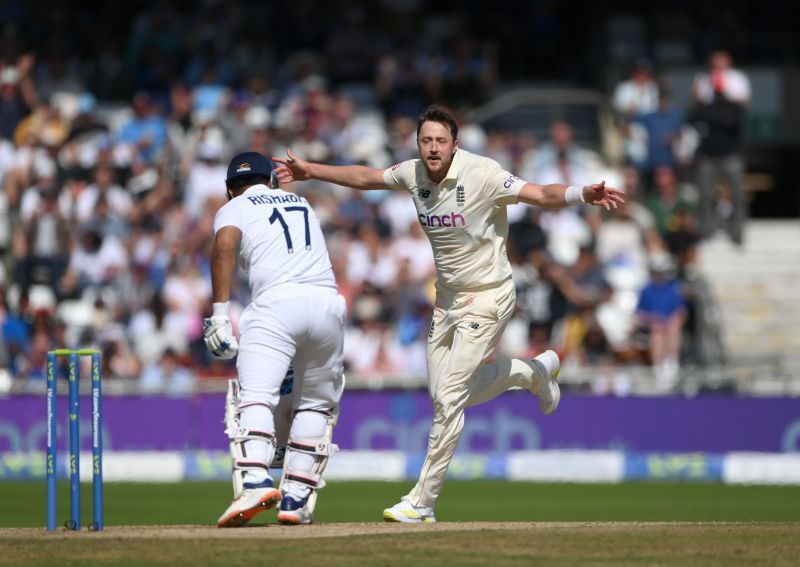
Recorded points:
(218, 333)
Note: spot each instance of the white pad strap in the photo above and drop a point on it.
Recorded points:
(239, 434)
(313, 445)
(249, 465)
(313, 480)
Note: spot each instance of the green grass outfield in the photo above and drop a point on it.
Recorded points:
(200, 503)
(480, 523)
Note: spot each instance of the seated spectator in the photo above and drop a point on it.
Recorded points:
(154, 330)
(97, 260)
(661, 314)
(147, 131)
(119, 201)
(669, 197)
(45, 247)
(560, 153)
(206, 178)
(681, 240)
(584, 288)
(44, 171)
(15, 329)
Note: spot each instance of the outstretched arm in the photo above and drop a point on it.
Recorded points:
(294, 168)
(557, 195)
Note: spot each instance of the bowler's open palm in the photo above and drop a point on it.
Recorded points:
(602, 196)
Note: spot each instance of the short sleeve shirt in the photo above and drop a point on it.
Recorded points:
(463, 216)
(282, 241)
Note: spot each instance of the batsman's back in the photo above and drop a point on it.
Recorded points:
(282, 241)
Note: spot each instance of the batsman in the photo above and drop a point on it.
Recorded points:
(295, 320)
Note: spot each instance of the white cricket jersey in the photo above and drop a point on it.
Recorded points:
(282, 242)
(464, 217)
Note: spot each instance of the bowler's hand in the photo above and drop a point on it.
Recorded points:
(292, 168)
(600, 195)
(218, 336)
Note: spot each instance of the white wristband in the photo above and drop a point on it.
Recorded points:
(574, 195)
(221, 309)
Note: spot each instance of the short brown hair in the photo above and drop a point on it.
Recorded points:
(436, 113)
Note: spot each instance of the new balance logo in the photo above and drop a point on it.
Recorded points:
(423, 193)
(473, 325)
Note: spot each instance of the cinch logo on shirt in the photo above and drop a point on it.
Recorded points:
(510, 181)
(243, 167)
(451, 221)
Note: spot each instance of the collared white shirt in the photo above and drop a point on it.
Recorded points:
(463, 216)
(282, 241)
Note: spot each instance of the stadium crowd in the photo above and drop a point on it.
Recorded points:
(112, 168)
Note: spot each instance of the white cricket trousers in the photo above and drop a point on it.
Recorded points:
(464, 332)
(283, 327)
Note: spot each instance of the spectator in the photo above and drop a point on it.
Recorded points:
(44, 170)
(635, 209)
(350, 138)
(721, 97)
(15, 326)
(636, 96)
(662, 128)
(669, 197)
(562, 154)
(17, 95)
(639, 93)
(46, 242)
(722, 78)
(681, 239)
(88, 138)
(584, 286)
(661, 313)
(97, 261)
(206, 176)
(147, 131)
(104, 188)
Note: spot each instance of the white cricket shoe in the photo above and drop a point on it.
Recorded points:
(254, 500)
(407, 513)
(294, 512)
(545, 386)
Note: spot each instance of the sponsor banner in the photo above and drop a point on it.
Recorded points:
(400, 421)
(530, 466)
(567, 466)
(760, 468)
(673, 466)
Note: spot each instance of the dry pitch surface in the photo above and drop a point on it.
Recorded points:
(447, 543)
